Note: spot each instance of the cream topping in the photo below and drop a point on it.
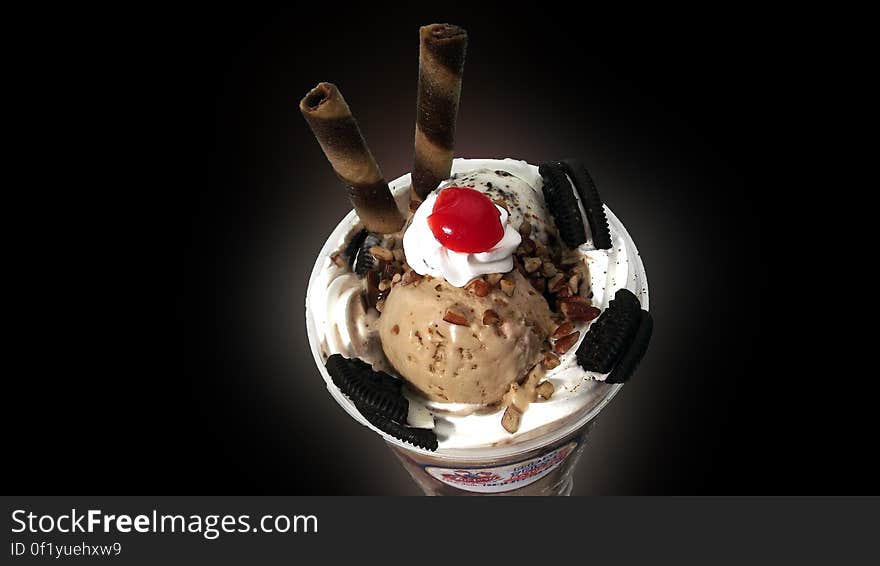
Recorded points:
(427, 256)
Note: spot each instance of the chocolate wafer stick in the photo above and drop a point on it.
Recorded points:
(337, 131)
(441, 61)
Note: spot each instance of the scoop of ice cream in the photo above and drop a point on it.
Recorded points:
(491, 341)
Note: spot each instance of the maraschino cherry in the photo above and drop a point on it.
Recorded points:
(465, 220)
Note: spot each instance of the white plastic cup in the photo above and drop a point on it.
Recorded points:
(540, 462)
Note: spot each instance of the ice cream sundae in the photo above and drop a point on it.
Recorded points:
(477, 311)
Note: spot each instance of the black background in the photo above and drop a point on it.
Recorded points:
(177, 202)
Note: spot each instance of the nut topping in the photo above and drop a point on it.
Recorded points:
(556, 282)
(493, 278)
(491, 317)
(453, 317)
(511, 419)
(539, 283)
(544, 389)
(578, 310)
(573, 283)
(551, 361)
(508, 287)
(563, 329)
(379, 252)
(565, 343)
(479, 287)
(531, 264)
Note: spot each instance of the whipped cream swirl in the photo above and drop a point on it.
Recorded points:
(427, 256)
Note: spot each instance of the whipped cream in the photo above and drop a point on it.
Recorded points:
(427, 256)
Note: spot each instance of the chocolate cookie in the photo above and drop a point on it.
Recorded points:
(421, 437)
(634, 353)
(562, 204)
(610, 335)
(365, 261)
(371, 391)
(354, 246)
(591, 202)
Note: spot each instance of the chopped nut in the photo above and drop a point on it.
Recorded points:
(573, 283)
(478, 287)
(493, 278)
(544, 389)
(491, 317)
(526, 247)
(379, 252)
(395, 329)
(548, 269)
(525, 228)
(511, 419)
(396, 278)
(556, 282)
(410, 277)
(516, 399)
(577, 309)
(380, 304)
(565, 343)
(531, 264)
(563, 329)
(570, 257)
(389, 270)
(541, 250)
(563, 293)
(539, 283)
(517, 264)
(414, 204)
(453, 317)
(551, 360)
(508, 287)
(398, 254)
(384, 285)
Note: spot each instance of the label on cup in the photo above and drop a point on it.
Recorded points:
(503, 478)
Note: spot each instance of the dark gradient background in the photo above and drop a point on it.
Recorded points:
(192, 368)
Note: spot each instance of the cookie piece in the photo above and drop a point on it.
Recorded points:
(610, 334)
(371, 391)
(562, 204)
(353, 246)
(421, 437)
(365, 261)
(591, 202)
(634, 352)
